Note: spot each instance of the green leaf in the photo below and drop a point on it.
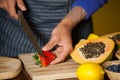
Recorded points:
(35, 56)
(38, 62)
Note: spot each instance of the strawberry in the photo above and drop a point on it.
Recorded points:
(45, 59)
(49, 55)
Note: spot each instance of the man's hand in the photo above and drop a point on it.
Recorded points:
(61, 35)
(10, 6)
(62, 38)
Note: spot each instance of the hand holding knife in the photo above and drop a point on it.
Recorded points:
(29, 32)
(43, 58)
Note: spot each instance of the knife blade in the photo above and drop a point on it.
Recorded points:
(29, 32)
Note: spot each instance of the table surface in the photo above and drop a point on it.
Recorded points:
(24, 76)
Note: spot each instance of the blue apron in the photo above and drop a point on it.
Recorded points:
(42, 16)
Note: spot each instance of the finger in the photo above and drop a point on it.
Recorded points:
(3, 4)
(0, 3)
(51, 44)
(21, 5)
(12, 9)
(59, 59)
(62, 54)
(58, 51)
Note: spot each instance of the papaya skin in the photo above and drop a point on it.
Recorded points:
(107, 55)
(111, 35)
(117, 42)
(117, 54)
(92, 36)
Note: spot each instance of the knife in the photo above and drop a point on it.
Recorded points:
(29, 32)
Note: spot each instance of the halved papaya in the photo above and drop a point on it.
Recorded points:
(95, 50)
(90, 36)
(114, 36)
(93, 36)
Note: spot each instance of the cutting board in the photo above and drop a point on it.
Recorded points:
(9, 67)
(62, 70)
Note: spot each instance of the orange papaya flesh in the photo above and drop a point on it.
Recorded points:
(94, 50)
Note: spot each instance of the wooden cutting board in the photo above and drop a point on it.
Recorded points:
(9, 67)
(63, 70)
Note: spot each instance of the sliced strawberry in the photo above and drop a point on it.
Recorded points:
(49, 55)
(44, 60)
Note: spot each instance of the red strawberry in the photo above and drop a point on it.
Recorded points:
(44, 60)
(49, 55)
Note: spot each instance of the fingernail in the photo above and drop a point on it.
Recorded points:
(52, 62)
(44, 48)
(24, 8)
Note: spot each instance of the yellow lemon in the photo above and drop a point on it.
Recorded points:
(90, 71)
(92, 36)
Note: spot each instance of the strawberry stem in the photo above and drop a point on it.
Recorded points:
(40, 52)
(37, 60)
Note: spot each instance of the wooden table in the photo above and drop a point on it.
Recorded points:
(24, 76)
(59, 71)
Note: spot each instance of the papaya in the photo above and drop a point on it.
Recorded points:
(117, 54)
(114, 36)
(93, 36)
(95, 50)
(90, 36)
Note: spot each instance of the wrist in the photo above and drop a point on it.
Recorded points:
(76, 15)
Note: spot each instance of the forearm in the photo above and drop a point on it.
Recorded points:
(73, 18)
(90, 6)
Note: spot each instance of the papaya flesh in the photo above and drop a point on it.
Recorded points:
(91, 36)
(95, 50)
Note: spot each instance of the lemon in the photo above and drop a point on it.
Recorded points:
(92, 36)
(90, 71)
